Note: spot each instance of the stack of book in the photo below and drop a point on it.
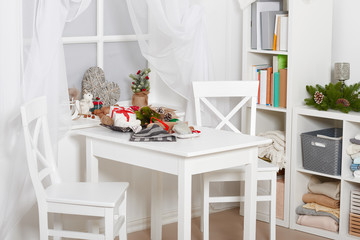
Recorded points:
(269, 26)
(272, 81)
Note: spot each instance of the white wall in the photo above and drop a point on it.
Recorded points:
(224, 23)
(346, 36)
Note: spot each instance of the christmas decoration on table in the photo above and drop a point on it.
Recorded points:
(86, 103)
(140, 87)
(94, 82)
(97, 104)
(145, 114)
(334, 96)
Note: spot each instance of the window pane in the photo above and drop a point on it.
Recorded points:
(84, 25)
(78, 57)
(117, 20)
(121, 59)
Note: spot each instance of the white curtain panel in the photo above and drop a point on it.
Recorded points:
(174, 43)
(43, 73)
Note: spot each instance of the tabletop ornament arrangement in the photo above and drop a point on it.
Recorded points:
(140, 87)
(337, 96)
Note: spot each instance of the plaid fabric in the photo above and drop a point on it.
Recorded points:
(153, 134)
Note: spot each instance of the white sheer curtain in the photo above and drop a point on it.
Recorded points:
(174, 43)
(43, 74)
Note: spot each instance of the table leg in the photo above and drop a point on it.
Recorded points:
(184, 204)
(92, 163)
(250, 198)
(156, 202)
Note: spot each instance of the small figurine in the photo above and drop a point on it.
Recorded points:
(86, 103)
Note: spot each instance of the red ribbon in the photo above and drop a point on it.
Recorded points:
(122, 110)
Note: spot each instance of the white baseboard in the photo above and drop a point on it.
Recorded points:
(167, 218)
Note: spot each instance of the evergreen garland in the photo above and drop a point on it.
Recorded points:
(335, 96)
(140, 81)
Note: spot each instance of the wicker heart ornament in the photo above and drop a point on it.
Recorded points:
(95, 83)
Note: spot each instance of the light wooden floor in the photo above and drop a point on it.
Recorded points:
(226, 225)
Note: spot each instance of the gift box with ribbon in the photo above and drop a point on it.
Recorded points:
(124, 117)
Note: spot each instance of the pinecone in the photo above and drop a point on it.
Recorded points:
(160, 110)
(168, 117)
(343, 102)
(318, 97)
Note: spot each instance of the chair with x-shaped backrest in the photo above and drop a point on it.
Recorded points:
(247, 91)
(106, 200)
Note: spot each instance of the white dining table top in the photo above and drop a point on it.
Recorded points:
(210, 141)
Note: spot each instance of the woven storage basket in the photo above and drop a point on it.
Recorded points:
(322, 154)
(354, 224)
(355, 201)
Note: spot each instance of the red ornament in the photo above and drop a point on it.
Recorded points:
(143, 89)
(133, 82)
(147, 77)
(135, 108)
(138, 72)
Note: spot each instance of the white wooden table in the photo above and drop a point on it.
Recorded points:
(213, 150)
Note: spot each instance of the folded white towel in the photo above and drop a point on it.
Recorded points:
(352, 149)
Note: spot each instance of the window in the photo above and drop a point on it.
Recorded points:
(103, 36)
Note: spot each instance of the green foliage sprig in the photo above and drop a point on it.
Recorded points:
(334, 96)
(140, 81)
(144, 115)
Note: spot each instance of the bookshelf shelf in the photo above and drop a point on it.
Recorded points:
(270, 108)
(303, 18)
(301, 170)
(268, 52)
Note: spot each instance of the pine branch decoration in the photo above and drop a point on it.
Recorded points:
(140, 81)
(334, 96)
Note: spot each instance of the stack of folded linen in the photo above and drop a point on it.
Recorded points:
(274, 151)
(353, 150)
(322, 205)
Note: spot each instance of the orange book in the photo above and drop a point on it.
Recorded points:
(268, 86)
(282, 87)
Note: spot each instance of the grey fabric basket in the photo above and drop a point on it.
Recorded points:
(321, 154)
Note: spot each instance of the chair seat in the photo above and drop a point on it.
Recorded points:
(103, 194)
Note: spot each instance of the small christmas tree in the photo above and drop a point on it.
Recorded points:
(140, 81)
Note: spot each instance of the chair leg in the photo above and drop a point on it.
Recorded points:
(205, 212)
(273, 208)
(57, 224)
(109, 224)
(122, 212)
(43, 224)
(202, 203)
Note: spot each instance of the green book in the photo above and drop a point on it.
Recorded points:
(276, 89)
(282, 61)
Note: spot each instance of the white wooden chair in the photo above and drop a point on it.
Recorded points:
(247, 91)
(106, 200)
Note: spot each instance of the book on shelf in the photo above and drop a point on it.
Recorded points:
(256, 8)
(268, 28)
(276, 41)
(283, 33)
(282, 61)
(282, 87)
(255, 71)
(275, 63)
(263, 86)
(276, 89)
(272, 89)
(268, 86)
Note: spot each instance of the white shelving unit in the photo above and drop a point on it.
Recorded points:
(309, 63)
(309, 119)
